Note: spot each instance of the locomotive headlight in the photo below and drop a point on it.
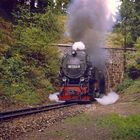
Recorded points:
(64, 79)
(82, 79)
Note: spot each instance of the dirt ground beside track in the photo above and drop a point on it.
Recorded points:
(65, 130)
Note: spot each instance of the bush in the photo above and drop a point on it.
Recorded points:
(124, 85)
(134, 62)
(115, 40)
(6, 36)
(129, 86)
(134, 88)
(30, 66)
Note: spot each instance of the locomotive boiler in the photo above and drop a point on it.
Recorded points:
(79, 79)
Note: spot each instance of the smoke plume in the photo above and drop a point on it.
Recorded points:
(89, 21)
(110, 98)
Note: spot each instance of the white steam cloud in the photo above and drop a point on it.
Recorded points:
(89, 21)
(78, 46)
(54, 97)
(111, 98)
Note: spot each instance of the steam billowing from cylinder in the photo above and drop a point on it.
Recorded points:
(108, 99)
(54, 97)
(89, 21)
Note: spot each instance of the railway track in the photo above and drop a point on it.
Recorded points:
(28, 111)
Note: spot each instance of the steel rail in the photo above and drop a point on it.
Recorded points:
(28, 111)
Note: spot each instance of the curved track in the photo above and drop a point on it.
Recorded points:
(23, 112)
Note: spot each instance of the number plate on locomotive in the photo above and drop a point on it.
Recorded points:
(73, 66)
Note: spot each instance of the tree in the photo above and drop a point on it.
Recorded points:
(8, 6)
(62, 4)
(130, 13)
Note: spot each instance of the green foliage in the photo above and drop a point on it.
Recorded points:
(82, 119)
(134, 62)
(124, 85)
(47, 25)
(129, 86)
(137, 44)
(30, 66)
(119, 127)
(115, 40)
(122, 127)
(6, 37)
(61, 5)
(130, 19)
(134, 88)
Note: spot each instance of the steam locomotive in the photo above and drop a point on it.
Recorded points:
(80, 80)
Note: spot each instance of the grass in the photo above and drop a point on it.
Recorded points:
(124, 85)
(57, 133)
(134, 88)
(82, 119)
(129, 86)
(122, 127)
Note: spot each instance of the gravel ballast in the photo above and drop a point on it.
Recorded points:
(11, 129)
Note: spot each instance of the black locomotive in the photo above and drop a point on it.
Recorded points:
(80, 80)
